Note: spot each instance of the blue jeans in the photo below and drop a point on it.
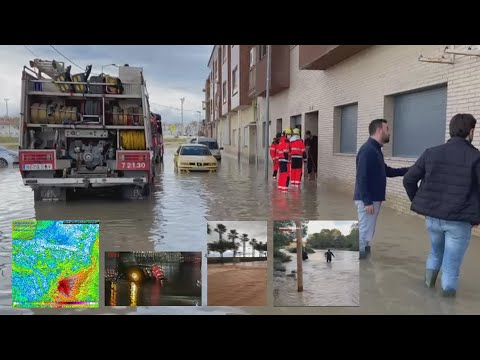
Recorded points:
(449, 241)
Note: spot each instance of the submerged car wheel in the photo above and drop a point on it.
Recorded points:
(3, 163)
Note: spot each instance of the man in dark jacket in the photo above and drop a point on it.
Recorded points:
(449, 197)
(371, 182)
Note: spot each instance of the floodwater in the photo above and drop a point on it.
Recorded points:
(324, 284)
(173, 219)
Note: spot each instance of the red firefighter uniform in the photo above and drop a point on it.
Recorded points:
(283, 152)
(273, 155)
(297, 154)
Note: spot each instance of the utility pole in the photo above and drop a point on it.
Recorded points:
(298, 229)
(267, 109)
(199, 121)
(182, 100)
(6, 107)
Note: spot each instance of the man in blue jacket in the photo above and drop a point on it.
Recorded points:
(449, 198)
(371, 182)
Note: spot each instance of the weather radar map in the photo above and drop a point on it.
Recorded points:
(55, 264)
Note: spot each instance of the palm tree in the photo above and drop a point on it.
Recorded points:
(219, 246)
(233, 235)
(261, 248)
(244, 239)
(253, 243)
(220, 229)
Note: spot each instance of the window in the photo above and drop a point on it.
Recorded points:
(224, 92)
(263, 51)
(225, 47)
(348, 129)
(415, 114)
(235, 80)
(195, 151)
(245, 136)
(212, 145)
(252, 57)
(215, 69)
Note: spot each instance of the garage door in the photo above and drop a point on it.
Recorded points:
(348, 129)
(419, 121)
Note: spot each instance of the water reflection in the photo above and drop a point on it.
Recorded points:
(153, 279)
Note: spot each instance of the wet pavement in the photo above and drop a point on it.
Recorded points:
(173, 219)
(324, 284)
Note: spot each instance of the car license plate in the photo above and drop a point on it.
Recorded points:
(30, 167)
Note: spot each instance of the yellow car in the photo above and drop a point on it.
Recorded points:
(194, 157)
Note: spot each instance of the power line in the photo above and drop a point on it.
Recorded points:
(53, 47)
(173, 108)
(26, 47)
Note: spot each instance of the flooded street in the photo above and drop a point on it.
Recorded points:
(324, 284)
(173, 219)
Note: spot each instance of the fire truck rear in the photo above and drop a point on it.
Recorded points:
(85, 131)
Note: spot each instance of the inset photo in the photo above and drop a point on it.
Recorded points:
(148, 278)
(237, 263)
(55, 264)
(316, 263)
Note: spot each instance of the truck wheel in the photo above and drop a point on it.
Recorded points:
(50, 194)
(132, 192)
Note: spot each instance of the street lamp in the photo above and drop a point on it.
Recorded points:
(104, 66)
(267, 109)
(6, 109)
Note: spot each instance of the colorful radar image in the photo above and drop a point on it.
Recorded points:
(55, 264)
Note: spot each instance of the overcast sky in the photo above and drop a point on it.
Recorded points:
(171, 71)
(254, 229)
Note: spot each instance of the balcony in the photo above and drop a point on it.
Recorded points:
(252, 81)
(280, 79)
(322, 57)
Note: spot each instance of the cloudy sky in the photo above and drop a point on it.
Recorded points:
(317, 226)
(254, 229)
(171, 71)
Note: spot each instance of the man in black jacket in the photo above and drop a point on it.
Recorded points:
(449, 197)
(371, 182)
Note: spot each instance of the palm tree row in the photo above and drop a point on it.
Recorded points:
(222, 246)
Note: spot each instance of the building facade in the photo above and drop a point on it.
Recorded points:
(335, 91)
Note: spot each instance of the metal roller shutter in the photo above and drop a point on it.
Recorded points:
(419, 121)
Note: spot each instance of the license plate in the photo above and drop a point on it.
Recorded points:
(30, 167)
(132, 165)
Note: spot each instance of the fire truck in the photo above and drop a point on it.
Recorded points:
(86, 131)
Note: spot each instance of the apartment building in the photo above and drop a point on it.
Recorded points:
(237, 78)
(336, 90)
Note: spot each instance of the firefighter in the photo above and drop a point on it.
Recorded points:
(297, 154)
(273, 155)
(283, 154)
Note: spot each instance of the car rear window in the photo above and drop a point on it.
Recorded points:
(213, 145)
(195, 150)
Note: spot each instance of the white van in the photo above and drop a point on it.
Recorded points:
(212, 145)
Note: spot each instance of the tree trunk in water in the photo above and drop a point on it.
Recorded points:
(298, 226)
(244, 249)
